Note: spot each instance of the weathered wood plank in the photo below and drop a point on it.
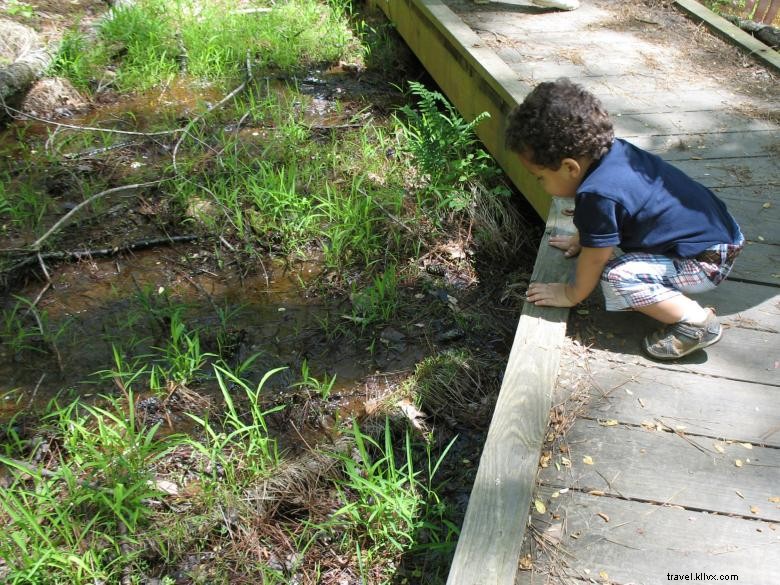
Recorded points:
(758, 262)
(758, 223)
(489, 545)
(725, 29)
(643, 544)
(731, 410)
(742, 354)
(626, 462)
(710, 146)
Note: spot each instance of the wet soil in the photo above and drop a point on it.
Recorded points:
(280, 311)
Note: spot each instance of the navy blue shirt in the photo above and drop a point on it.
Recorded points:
(635, 200)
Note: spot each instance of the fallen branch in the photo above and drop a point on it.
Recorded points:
(37, 244)
(102, 252)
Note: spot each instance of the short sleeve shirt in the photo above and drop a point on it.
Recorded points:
(637, 201)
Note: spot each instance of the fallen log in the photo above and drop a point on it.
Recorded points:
(26, 57)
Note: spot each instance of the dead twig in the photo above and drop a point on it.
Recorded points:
(35, 246)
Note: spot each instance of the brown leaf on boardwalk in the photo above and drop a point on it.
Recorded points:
(595, 493)
(603, 516)
(544, 461)
(540, 507)
(587, 460)
(738, 462)
(719, 448)
(610, 422)
(754, 510)
(526, 563)
(775, 499)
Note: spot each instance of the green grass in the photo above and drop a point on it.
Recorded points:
(149, 42)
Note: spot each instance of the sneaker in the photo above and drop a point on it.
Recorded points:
(559, 4)
(680, 339)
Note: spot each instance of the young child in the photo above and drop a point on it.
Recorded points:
(676, 236)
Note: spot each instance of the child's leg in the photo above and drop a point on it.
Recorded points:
(654, 285)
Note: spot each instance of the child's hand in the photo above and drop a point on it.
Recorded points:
(552, 294)
(569, 244)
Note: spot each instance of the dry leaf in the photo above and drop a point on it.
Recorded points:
(565, 462)
(587, 460)
(610, 422)
(555, 494)
(719, 448)
(166, 487)
(754, 510)
(603, 516)
(595, 493)
(767, 205)
(775, 499)
(415, 416)
(747, 445)
(604, 575)
(738, 462)
(649, 425)
(526, 563)
(545, 459)
(540, 507)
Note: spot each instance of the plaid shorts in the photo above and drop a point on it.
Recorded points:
(638, 279)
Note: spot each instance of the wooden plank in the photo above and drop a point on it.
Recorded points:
(742, 354)
(726, 409)
(625, 462)
(759, 171)
(643, 544)
(758, 262)
(710, 146)
(489, 545)
(687, 123)
(758, 223)
(728, 31)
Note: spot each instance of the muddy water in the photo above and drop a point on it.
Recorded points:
(93, 306)
(112, 302)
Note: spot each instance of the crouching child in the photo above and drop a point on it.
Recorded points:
(676, 237)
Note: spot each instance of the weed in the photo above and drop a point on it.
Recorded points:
(79, 522)
(17, 8)
(238, 446)
(385, 501)
(322, 387)
(378, 302)
(444, 147)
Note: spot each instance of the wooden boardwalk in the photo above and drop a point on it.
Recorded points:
(647, 471)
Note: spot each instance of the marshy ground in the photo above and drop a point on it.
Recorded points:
(259, 284)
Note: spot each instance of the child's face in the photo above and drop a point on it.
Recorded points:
(562, 182)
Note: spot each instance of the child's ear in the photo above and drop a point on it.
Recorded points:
(575, 168)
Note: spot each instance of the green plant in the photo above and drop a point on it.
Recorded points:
(386, 501)
(444, 148)
(17, 8)
(322, 387)
(78, 60)
(378, 302)
(79, 522)
(182, 357)
(238, 443)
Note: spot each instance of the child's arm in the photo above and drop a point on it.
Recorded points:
(590, 265)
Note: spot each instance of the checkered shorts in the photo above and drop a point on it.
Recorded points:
(638, 279)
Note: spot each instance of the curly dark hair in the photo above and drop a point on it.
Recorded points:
(558, 120)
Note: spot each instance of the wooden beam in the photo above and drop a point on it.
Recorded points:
(728, 31)
(472, 76)
(490, 541)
